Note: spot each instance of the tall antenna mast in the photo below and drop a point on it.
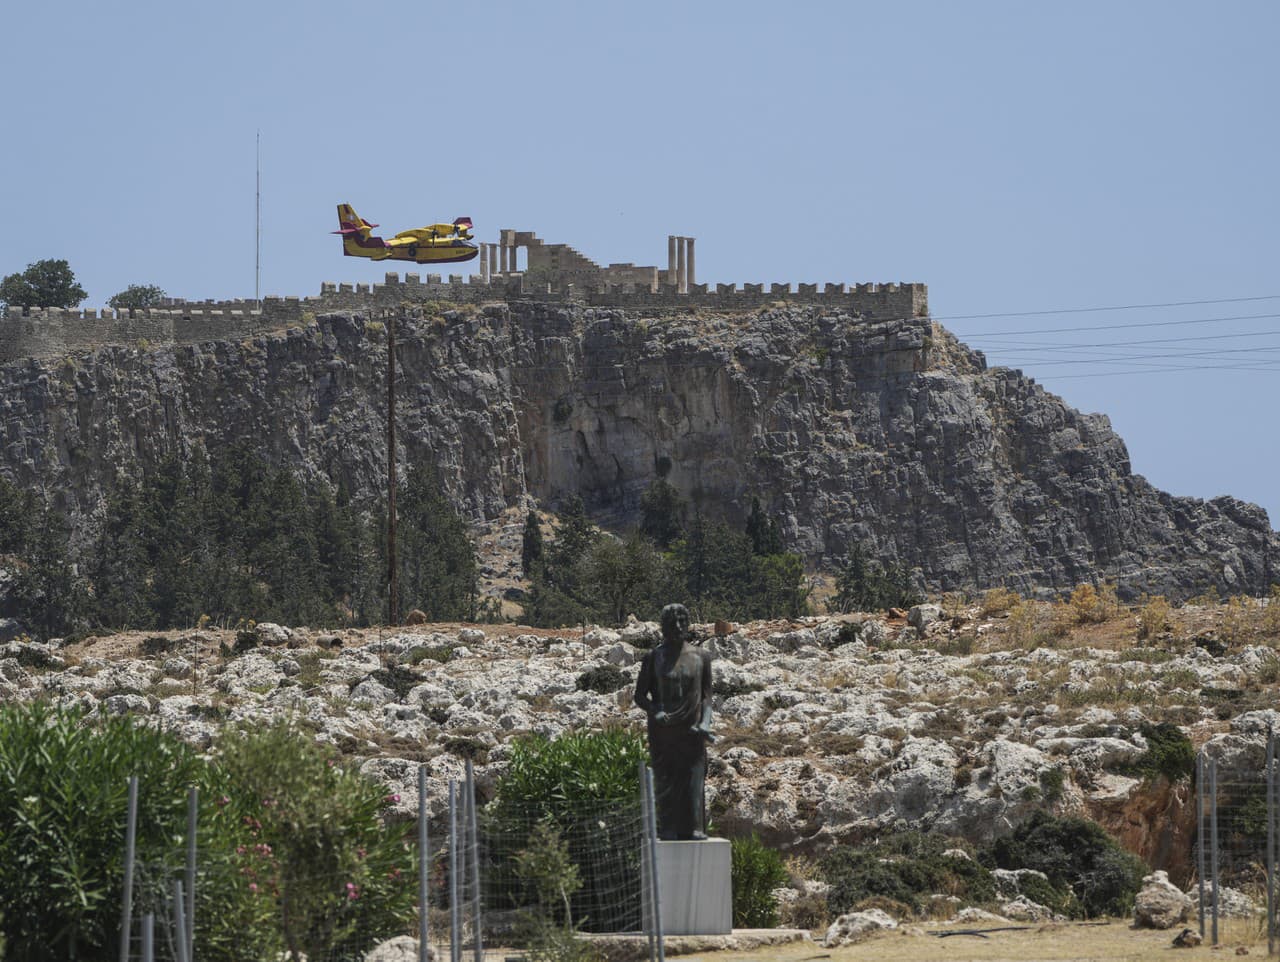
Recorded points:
(257, 213)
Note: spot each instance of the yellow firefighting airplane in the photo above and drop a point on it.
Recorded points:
(433, 244)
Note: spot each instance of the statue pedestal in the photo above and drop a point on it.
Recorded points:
(695, 888)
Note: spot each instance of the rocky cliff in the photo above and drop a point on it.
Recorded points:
(889, 434)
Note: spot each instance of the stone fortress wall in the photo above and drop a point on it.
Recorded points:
(554, 272)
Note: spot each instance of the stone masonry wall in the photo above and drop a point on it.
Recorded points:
(53, 332)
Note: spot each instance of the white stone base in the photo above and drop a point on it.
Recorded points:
(695, 887)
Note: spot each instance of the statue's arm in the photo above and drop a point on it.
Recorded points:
(643, 697)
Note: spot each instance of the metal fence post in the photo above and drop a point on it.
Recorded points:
(193, 808)
(1213, 842)
(455, 906)
(475, 861)
(1201, 861)
(646, 869)
(130, 839)
(424, 949)
(179, 923)
(1271, 842)
(148, 937)
(653, 859)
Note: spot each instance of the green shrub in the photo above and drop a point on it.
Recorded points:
(907, 867)
(757, 871)
(440, 653)
(603, 679)
(586, 786)
(1052, 783)
(576, 767)
(329, 873)
(1074, 853)
(1169, 753)
(63, 809)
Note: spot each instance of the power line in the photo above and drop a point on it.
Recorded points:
(1145, 357)
(1115, 307)
(1156, 340)
(1118, 327)
(1168, 370)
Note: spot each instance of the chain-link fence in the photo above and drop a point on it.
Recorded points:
(1237, 802)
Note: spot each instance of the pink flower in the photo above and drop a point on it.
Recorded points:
(392, 799)
(224, 800)
(353, 893)
(253, 887)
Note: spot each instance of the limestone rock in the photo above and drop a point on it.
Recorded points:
(1234, 904)
(1160, 904)
(272, 634)
(900, 437)
(855, 926)
(1187, 939)
(922, 616)
(1023, 909)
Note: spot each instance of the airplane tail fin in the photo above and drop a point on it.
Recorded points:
(356, 232)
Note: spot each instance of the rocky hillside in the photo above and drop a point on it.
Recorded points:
(829, 729)
(887, 434)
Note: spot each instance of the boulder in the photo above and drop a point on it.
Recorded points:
(1160, 904)
(856, 926)
(873, 633)
(1234, 904)
(270, 633)
(1022, 909)
(922, 616)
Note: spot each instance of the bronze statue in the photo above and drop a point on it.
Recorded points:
(674, 690)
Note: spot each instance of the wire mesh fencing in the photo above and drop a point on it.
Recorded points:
(527, 878)
(1237, 819)
(537, 876)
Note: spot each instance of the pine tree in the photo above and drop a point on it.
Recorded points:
(531, 544)
(765, 536)
(438, 571)
(661, 508)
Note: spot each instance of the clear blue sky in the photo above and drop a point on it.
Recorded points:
(1016, 157)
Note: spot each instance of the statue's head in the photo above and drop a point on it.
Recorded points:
(675, 622)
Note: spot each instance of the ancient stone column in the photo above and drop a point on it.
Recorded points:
(671, 258)
(692, 276)
(682, 276)
(504, 254)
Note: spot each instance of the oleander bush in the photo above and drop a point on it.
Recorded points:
(757, 870)
(294, 853)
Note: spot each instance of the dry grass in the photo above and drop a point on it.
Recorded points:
(1059, 943)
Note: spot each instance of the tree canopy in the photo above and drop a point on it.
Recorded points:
(47, 283)
(136, 297)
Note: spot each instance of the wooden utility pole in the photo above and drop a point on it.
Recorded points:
(393, 606)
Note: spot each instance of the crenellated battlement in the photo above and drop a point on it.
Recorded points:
(556, 272)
